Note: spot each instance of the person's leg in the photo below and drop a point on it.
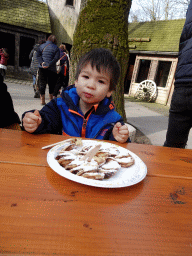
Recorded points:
(52, 80)
(57, 86)
(65, 81)
(37, 94)
(178, 129)
(42, 84)
(34, 79)
(180, 119)
(37, 85)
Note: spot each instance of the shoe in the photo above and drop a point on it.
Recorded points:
(37, 95)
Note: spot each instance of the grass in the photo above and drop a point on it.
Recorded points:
(159, 108)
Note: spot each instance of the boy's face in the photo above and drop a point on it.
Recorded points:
(92, 87)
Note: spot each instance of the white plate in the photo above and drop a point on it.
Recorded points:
(123, 178)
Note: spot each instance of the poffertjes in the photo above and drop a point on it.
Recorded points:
(104, 164)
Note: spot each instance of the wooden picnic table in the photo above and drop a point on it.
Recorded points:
(43, 213)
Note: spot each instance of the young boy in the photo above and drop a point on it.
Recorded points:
(86, 109)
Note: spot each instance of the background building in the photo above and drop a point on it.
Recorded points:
(22, 24)
(154, 48)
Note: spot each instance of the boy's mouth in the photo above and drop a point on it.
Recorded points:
(88, 95)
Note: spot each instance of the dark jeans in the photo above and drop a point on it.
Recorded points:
(180, 118)
(62, 81)
(49, 77)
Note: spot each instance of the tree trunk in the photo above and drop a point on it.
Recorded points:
(103, 23)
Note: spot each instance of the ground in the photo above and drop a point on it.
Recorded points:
(161, 109)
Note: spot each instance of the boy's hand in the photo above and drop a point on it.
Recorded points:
(120, 132)
(31, 121)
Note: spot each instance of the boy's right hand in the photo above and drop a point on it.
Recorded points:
(31, 121)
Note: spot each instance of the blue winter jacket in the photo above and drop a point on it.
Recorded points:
(183, 75)
(48, 53)
(63, 116)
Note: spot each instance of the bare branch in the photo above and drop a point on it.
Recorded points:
(151, 10)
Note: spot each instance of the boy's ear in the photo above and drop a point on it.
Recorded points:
(109, 94)
(75, 82)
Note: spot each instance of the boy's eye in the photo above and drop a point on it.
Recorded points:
(101, 82)
(86, 77)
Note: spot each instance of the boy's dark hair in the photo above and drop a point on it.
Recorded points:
(101, 58)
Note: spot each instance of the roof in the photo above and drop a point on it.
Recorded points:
(30, 14)
(160, 36)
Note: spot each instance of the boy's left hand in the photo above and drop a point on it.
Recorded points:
(120, 132)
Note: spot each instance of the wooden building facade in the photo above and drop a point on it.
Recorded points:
(22, 24)
(154, 50)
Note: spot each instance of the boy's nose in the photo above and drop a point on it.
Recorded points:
(91, 84)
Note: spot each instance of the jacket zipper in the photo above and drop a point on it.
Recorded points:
(83, 131)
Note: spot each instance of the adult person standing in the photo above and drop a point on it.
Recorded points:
(47, 55)
(180, 113)
(34, 67)
(9, 118)
(3, 61)
(63, 75)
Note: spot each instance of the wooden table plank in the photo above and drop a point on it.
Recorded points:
(42, 212)
(164, 161)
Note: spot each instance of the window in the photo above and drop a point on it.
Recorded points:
(162, 73)
(26, 45)
(143, 70)
(70, 2)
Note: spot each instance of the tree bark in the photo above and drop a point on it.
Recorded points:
(103, 23)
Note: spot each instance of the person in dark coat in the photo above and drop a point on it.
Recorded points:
(63, 75)
(34, 66)
(48, 54)
(9, 118)
(180, 114)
